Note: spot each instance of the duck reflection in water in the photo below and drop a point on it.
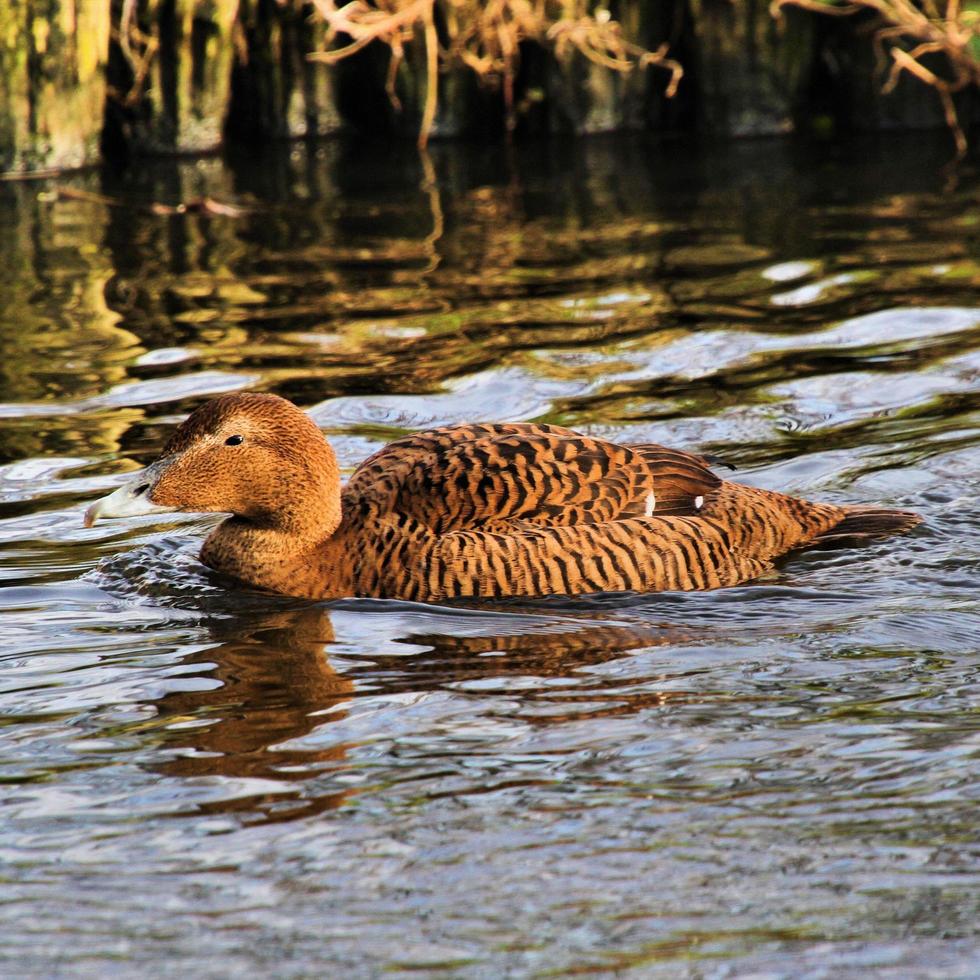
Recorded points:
(276, 682)
(278, 685)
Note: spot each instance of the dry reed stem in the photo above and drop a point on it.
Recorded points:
(130, 37)
(485, 36)
(930, 28)
(138, 48)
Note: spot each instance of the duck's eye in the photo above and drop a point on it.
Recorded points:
(234, 440)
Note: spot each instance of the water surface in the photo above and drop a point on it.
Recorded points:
(775, 780)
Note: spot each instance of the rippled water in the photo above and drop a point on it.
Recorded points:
(775, 780)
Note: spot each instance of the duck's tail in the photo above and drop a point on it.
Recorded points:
(871, 522)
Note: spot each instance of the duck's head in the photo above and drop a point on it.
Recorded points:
(255, 456)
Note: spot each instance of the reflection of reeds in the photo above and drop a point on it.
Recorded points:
(485, 36)
(912, 31)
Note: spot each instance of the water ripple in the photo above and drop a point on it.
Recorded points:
(772, 779)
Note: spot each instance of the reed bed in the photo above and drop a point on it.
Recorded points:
(486, 37)
(906, 32)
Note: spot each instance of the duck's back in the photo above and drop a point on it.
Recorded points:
(524, 510)
(470, 476)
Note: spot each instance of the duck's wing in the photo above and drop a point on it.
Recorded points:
(482, 476)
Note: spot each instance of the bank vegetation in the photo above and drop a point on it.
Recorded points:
(109, 79)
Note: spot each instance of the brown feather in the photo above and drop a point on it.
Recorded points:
(488, 510)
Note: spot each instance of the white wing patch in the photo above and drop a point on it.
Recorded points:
(651, 503)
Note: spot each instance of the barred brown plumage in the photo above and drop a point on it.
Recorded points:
(470, 511)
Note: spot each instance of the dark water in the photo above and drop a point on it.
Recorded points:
(775, 780)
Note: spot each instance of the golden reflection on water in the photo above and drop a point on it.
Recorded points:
(305, 296)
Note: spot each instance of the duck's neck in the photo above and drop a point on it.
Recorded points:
(281, 561)
(270, 558)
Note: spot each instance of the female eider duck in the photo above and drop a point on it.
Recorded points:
(492, 510)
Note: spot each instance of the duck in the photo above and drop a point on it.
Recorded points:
(472, 511)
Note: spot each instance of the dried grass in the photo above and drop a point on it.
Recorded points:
(138, 48)
(908, 32)
(485, 36)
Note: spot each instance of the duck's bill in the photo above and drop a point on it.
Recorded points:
(132, 499)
